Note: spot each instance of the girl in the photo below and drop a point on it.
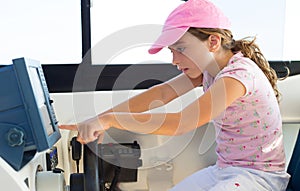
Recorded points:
(240, 98)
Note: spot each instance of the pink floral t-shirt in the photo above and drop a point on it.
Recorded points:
(249, 131)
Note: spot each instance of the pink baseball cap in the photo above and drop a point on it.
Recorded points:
(193, 13)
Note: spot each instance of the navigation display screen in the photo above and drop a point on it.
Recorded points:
(40, 98)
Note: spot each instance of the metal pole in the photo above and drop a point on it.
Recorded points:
(86, 29)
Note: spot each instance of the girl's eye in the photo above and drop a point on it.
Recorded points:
(180, 49)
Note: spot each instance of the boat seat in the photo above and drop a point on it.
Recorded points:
(294, 167)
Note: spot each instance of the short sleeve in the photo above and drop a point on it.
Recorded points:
(241, 70)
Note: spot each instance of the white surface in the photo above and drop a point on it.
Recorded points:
(49, 181)
(290, 104)
(9, 179)
(13, 180)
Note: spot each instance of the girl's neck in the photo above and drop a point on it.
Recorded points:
(221, 60)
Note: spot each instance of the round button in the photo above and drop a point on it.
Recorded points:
(15, 137)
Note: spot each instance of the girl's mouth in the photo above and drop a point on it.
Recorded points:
(184, 70)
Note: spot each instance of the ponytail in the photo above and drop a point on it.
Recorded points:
(246, 46)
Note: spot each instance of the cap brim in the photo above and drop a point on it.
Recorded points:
(167, 38)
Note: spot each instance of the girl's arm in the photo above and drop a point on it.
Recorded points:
(158, 95)
(214, 101)
(154, 97)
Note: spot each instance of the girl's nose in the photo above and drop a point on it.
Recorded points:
(175, 60)
(174, 63)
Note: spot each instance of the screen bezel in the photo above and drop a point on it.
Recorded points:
(42, 139)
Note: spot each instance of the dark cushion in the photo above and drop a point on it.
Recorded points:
(294, 167)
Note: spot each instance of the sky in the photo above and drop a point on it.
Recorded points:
(50, 30)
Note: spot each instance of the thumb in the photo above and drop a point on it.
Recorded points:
(100, 138)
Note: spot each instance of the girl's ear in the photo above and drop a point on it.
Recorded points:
(214, 42)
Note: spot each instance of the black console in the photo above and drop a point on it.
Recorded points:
(105, 165)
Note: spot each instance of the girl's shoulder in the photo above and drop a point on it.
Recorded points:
(238, 60)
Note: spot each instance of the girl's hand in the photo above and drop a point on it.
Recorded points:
(89, 130)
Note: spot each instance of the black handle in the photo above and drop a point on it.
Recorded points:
(91, 167)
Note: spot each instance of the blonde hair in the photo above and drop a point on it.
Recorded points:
(246, 46)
